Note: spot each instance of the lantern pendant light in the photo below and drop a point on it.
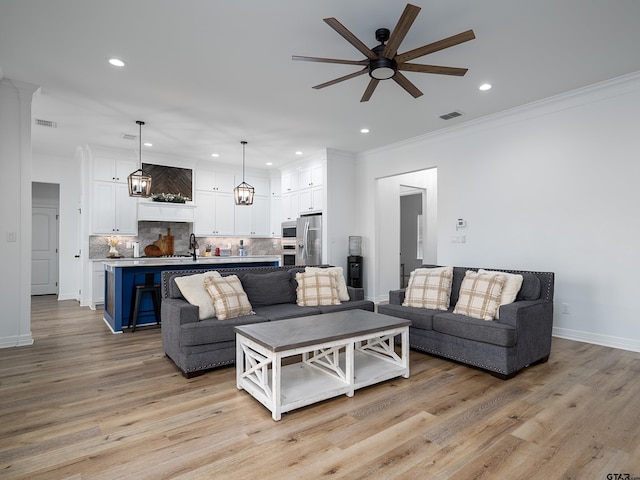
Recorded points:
(243, 193)
(139, 182)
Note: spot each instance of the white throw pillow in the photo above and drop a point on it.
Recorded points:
(193, 290)
(316, 288)
(479, 295)
(429, 288)
(510, 289)
(343, 293)
(228, 296)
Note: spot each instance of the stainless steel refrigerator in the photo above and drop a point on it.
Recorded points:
(309, 240)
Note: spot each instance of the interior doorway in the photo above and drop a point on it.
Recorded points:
(44, 238)
(411, 231)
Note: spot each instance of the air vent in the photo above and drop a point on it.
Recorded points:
(449, 116)
(128, 136)
(45, 123)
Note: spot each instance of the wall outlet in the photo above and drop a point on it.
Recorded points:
(11, 236)
(564, 308)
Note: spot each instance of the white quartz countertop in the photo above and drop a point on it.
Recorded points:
(160, 261)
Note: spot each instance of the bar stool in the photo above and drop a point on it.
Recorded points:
(138, 291)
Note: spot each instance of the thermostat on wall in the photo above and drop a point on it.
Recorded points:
(461, 223)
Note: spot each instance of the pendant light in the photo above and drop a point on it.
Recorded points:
(139, 182)
(243, 193)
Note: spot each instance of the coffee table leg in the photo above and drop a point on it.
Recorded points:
(350, 367)
(239, 362)
(405, 351)
(276, 370)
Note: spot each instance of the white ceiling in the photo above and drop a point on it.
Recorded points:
(205, 74)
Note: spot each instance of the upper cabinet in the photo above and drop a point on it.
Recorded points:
(208, 180)
(302, 189)
(113, 170)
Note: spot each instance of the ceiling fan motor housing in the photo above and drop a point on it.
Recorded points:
(383, 68)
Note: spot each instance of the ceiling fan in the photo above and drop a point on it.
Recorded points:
(384, 62)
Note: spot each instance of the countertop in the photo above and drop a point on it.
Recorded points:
(160, 261)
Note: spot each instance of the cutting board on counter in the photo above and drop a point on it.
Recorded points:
(163, 246)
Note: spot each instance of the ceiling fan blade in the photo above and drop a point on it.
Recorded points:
(414, 67)
(400, 30)
(370, 89)
(330, 60)
(350, 37)
(407, 85)
(435, 46)
(342, 79)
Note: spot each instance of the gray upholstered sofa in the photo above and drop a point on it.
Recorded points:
(197, 345)
(520, 337)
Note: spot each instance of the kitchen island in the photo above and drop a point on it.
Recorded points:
(120, 275)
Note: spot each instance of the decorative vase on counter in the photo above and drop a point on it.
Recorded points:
(113, 252)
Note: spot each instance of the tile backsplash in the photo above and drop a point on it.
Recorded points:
(148, 233)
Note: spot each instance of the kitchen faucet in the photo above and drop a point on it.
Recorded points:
(193, 244)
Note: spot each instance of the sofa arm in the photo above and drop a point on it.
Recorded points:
(178, 311)
(396, 297)
(533, 321)
(355, 293)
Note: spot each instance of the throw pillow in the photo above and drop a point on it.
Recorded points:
(511, 287)
(429, 288)
(229, 298)
(343, 293)
(269, 288)
(193, 290)
(316, 288)
(480, 295)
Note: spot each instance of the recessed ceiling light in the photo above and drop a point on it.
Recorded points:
(147, 144)
(485, 86)
(116, 62)
(215, 155)
(269, 163)
(364, 130)
(298, 152)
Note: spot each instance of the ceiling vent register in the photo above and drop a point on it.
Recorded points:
(449, 116)
(45, 123)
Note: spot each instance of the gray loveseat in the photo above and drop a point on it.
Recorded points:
(197, 345)
(520, 337)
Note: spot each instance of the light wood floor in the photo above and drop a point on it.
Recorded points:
(83, 403)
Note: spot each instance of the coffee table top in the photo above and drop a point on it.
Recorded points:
(299, 332)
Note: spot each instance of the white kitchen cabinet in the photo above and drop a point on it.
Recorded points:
(214, 214)
(310, 199)
(290, 209)
(253, 220)
(208, 180)
(289, 181)
(260, 184)
(310, 176)
(276, 216)
(113, 170)
(113, 210)
(97, 287)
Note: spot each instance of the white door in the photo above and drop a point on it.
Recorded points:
(44, 251)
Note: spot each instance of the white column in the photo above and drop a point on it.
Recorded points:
(15, 212)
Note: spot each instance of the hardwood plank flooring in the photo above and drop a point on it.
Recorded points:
(82, 403)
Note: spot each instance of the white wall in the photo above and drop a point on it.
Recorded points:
(551, 186)
(65, 172)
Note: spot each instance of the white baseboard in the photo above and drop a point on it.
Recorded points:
(598, 339)
(16, 341)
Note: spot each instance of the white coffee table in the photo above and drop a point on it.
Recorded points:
(340, 353)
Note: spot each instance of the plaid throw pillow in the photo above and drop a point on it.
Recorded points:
(228, 297)
(429, 288)
(193, 290)
(316, 288)
(480, 295)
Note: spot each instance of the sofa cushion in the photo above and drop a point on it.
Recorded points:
(421, 318)
(316, 288)
(338, 274)
(480, 295)
(530, 289)
(193, 290)
(213, 331)
(229, 299)
(462, 326)
(429, 288)
(268, 288)
(283, 311)
(511, 287)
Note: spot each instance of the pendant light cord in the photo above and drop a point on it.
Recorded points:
(244, 144)
(140, 123)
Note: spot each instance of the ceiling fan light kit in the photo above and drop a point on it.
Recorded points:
(383, 61)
